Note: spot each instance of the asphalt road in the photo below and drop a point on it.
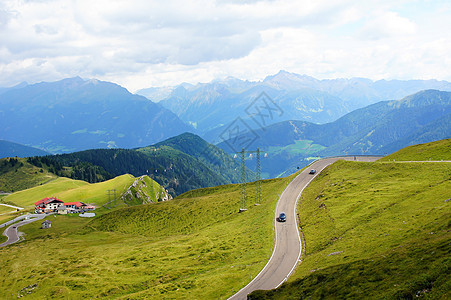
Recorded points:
(11, 232)
(287, 249)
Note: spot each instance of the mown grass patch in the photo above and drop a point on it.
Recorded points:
(6, 209)
(374, 230)
(96, 193)
(192, 247)
(28, 197)
(300, 147)
(438, 150)
(69, 190)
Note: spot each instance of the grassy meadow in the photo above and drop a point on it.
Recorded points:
(196, 246)
(6, 209)
(20, 175)
(304, 147)
(69, 190)
(374, 230)
(27, 198)
(438, 150)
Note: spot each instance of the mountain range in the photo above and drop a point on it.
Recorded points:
(211, 107)
(380, 128)
(10, 149)
(293, 118)
(75, 114)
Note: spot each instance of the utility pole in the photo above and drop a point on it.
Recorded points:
(258, 195)
(243, 182)
(109, 198)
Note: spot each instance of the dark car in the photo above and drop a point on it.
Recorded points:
(312, 171)
(282, 217)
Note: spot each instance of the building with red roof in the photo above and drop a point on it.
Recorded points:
(47, 205)
(53, 204)
(75, 205)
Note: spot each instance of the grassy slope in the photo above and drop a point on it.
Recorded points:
(6, 209)
(196, 246)
(439, 150)
(6, 213)
(4, 217)
(21, 176)
(97, 193)
(28, 197)
(145, 191)
(300, 147)
(69, 190)
(377, 230)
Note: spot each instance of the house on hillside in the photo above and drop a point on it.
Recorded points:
(63, 210)
(46, 224)
(74, 207)
(47, 205)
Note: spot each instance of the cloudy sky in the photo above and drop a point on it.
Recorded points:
(139, 44)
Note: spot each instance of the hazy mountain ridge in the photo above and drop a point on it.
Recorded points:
(11, 149)
(300, 97)
(76, 114)
(380, 128)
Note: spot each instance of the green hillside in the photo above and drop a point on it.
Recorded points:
(144, 190)
(27, 198)
(17, 174)
(439, 150)
(377, 230)
(213, 157)
(180, 164)
(196, 246)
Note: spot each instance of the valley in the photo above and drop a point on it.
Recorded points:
(199, 245)
(196, 245)
(174, 229)
(239, 150)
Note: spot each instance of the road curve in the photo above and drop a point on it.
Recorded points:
(11, 232)
(287, 244)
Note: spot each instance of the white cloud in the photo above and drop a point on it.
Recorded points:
(388, 24)
(142, 43)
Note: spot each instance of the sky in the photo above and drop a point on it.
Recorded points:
(139, 44)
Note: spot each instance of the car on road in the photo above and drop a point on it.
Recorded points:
(282, 217)
(312, 171)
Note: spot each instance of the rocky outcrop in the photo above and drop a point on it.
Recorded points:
(144, 190)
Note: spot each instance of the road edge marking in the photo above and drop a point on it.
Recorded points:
(297, 224)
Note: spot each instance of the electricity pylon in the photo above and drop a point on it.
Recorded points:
(258, 183)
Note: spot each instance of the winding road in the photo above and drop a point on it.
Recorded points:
(11, 232)
(287, 244)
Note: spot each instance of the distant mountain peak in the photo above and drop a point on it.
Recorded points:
(76, 79)
(76, 114)
(424, 98)
(290, 81)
